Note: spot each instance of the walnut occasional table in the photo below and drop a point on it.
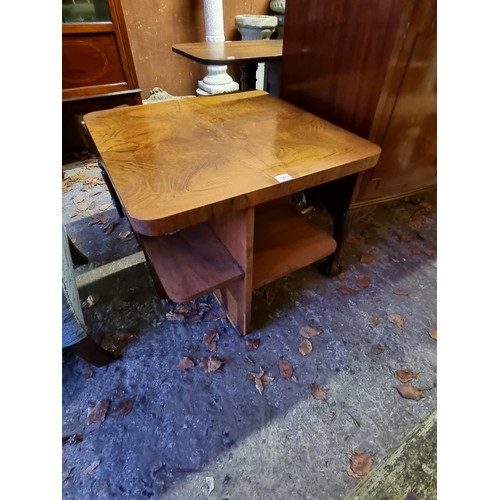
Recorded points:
(246, 52)
(206, 186)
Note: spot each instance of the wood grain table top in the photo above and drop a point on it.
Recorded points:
(178, 163)
(245, 51)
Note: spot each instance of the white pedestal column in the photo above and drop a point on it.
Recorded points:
(217, 81)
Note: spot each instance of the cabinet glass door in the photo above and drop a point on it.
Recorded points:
(85, 11)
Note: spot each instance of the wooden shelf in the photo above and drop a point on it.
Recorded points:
(284, 241)
(190, 262)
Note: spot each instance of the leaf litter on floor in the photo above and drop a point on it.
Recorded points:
(97, 413)
(211, 364)
(305, 347)
(286, 369)
(363, 282)
(366, 258)
(397, 319)
(318, 392)
(123, 408)
(91, 301)
(260, 379)
(361, 464)
(310, 331)
(409, 391)
(405, 375)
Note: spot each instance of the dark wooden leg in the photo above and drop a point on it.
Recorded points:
(248, 76)
(336, 197)
(111, 189)
(77, 256)
(91, 352)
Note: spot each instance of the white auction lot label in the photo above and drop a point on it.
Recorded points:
(283, 177)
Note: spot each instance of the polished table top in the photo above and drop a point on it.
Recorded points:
(245, 51)
(178, 163)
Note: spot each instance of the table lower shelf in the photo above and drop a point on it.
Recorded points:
(190, 262)
(285, 241)
(194, 261)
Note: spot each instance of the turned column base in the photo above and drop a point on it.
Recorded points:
(216, 82)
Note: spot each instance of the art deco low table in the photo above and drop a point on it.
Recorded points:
(206, 186)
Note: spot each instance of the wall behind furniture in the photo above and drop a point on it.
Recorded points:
(153, 26)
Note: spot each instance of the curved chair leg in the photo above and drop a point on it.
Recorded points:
(77, 256)
(92, 352)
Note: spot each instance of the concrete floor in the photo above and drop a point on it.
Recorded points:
(193, 430)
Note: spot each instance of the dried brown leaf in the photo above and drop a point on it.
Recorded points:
(109, 227)
(203, 307)
(397, 319)
(211, 365)
(318, 392)
(72, 439)
(92, 467)
(346, 290)
(374, 320)
(363, 282)
(430, 252)
(123, 235)
(305, 347)
(193, 318)
(91, 301)
(366, 258)
(173, 316)
(212, 347)
(415, 250)
(425, 207)
(401, 292)
(83, 206)
(417, 221)
(408, 391)
(252, 344)
(309, 331)
(209, 336)
(405, 375)
(286, 369)
(184, 309)
(259, 384)
(341, 276)
(105, 207)
(377, 349)
(124, 407)
(249, 360)
(261, 379)
(361, 464)
(185, 363)
(433, 334)
(98, 412)
(78, 198)
(116, 342)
